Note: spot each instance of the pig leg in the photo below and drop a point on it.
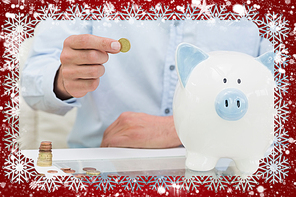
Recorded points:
(247, 166)
(199, 162)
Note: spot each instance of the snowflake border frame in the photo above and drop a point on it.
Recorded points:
(14, 35)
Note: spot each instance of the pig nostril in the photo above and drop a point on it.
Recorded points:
(238, 104)
(226, 103)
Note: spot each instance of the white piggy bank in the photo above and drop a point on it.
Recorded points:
(224, 107)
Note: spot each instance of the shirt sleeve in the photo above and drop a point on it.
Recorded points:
(37, 76)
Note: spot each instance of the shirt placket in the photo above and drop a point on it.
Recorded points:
(170, 74)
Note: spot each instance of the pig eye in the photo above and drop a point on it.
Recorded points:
(239, 81)
(224, 80)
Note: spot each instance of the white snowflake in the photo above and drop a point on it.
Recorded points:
(159, 181)
(109, 8)
(275, 28)
(31, 9)
(175, 181)
(10, 138)
(216, 184)
(34, 184)
(11, 112)
(11, 83)
(282, 85)
(50, 11)
(11, 54)
(74, 183)
(50, 183)
(281, 57)
(77, 12)
(103, 182)
(274, 168)
(132, 184)
(282, 112)
(219, 12)
(20, 25)
(103, 12)
(16, 29)
(192, 184)
(164, 183)
(245, 184)
(190, 12)
(204, 9)
(281, 79)
(159, 11)
(132, 11)
(281, 139)
(18, 168)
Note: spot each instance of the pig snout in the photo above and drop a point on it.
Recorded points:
(231, 104)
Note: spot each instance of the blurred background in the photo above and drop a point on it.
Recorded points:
(37, 126)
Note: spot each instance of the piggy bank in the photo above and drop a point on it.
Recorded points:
(223, 107)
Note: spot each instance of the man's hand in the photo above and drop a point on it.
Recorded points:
(140, 130)
(82, 61)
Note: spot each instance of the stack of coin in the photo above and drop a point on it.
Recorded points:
(45, 156)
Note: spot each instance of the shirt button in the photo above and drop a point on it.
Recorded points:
(167, 110)
(172, 67)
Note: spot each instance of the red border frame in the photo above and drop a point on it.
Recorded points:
(286, 188)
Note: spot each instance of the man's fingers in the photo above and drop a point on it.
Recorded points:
(87, 85)
(90, 71)
(87, 41)
(83, 72)
(84, 57)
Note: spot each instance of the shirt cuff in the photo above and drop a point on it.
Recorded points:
(50, 99)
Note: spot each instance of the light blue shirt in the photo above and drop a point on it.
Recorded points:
(141, 80)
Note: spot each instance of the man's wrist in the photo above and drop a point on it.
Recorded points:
(59, 88)
(175, 141)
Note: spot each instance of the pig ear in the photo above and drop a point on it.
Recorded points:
(267, 59)
(187, 58)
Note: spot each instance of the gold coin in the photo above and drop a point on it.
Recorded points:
(65, 169)
(125, 45)
(89, 169)
(69, 171)
(46, 142)
(45, 147)
(79, 175)
(93, 172)
(52, 171)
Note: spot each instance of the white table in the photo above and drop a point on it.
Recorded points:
(125, 161)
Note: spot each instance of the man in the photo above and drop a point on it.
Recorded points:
(123, 99)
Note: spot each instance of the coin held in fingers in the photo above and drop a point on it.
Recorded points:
(125, 45)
